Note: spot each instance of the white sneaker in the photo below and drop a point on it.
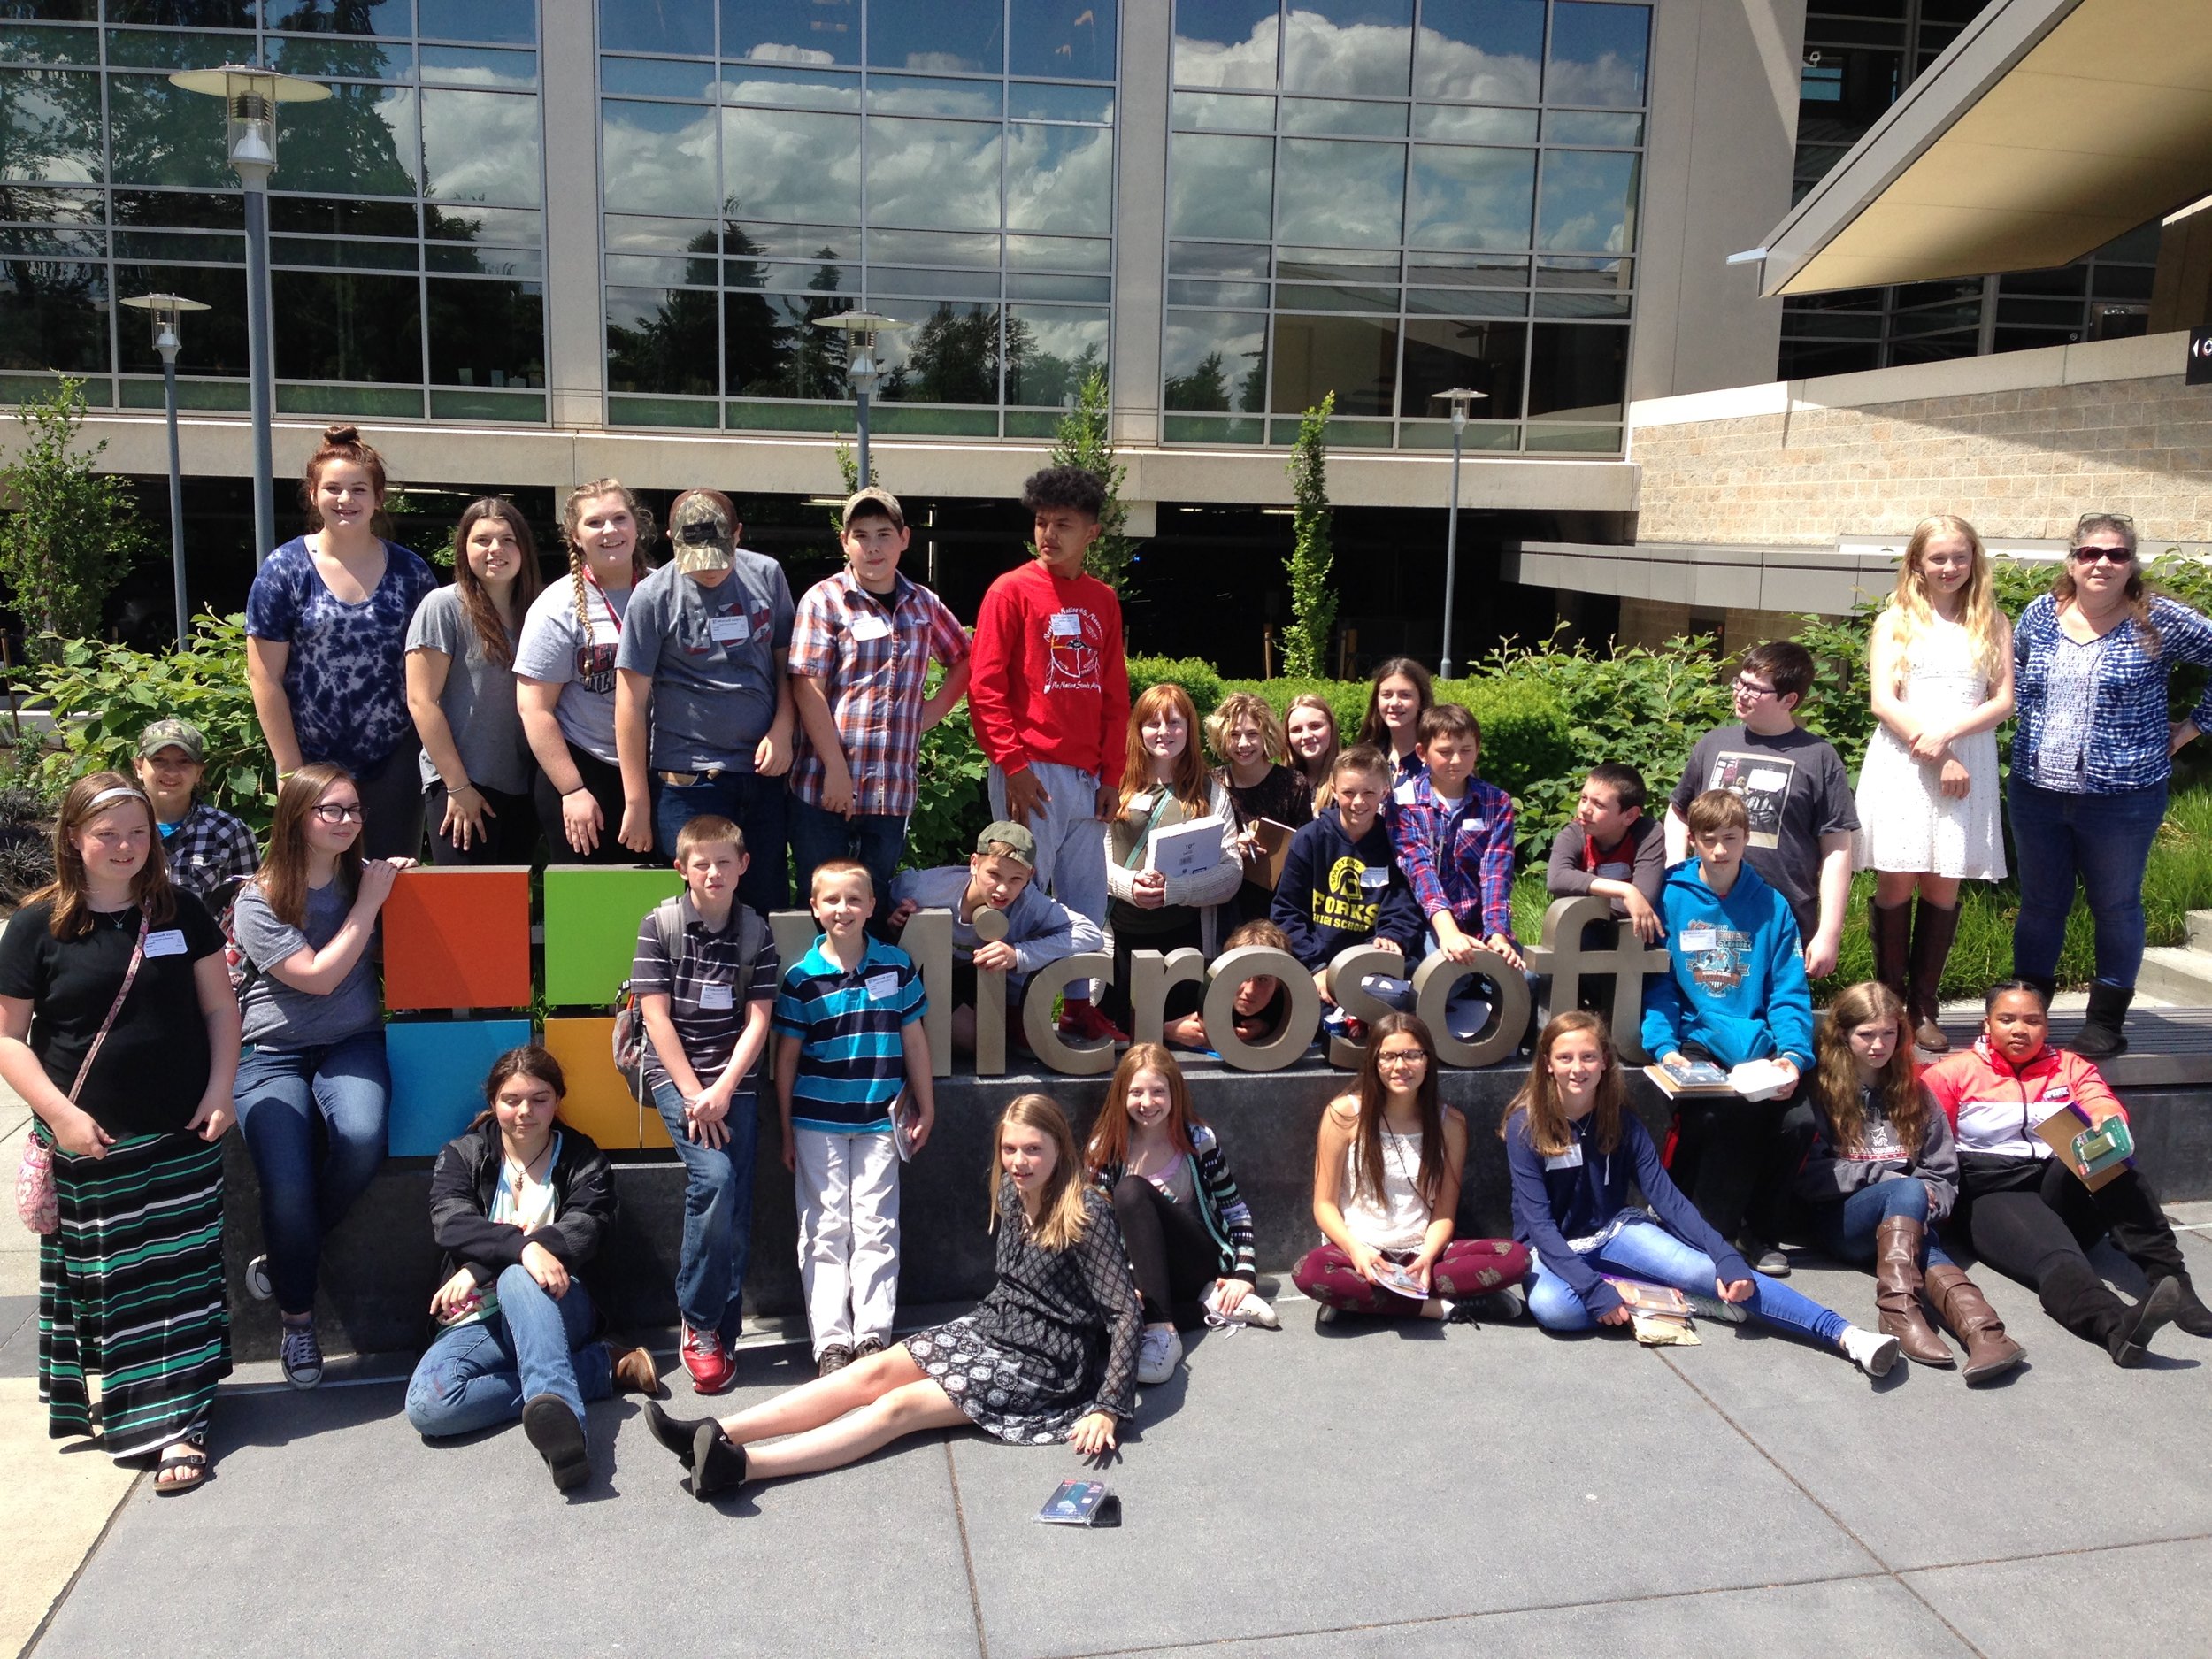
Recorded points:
(258, 1284)
(1158, 1355)
(1869, 1350)
(1252, 1309)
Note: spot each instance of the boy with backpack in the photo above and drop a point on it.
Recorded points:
(705, 978)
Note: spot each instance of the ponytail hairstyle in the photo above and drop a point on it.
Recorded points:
(2140, 594)
(1549, 1132)
(91, 796)
(1110, 1135)
(1368, 1163)
(1836, 1071)
(572, 523)
(345, 444)
(492, 629)
(1189, 781)
(531, 1061)
(1977, 609)
(283, 875)
(1060, 1215)
(1371, 729)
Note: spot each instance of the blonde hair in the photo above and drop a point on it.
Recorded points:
(1320, 774)
(1915, 610)
(1061, 1217)
(1237, 709)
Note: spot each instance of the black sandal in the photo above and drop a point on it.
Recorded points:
(716, 1465)
(186, 1460)
(678, 1434)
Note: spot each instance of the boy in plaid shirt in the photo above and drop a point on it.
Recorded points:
(1453, 835)
(861, 643)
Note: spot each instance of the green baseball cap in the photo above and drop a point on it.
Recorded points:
(172, 733)
(1013, 842)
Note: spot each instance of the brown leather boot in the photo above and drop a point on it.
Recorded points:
(1960, 1304)
(634, 1374)
(1889, 930)
(1897, 1292)
(1934, 928)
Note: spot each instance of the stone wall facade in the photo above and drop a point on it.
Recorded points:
(2022, 461)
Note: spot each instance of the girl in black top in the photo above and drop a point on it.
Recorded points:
(1050, 1355)
(1245, 733)
(134, 1119)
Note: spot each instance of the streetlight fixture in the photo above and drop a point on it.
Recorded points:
(1459, 397)
(167, 311)
(861, 367)
(251, 95)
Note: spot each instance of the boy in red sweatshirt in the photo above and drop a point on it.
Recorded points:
(1049, 698)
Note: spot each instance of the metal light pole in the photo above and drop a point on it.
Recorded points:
(1460, 396)
(249, 97)
(861, 368)
(167, 311)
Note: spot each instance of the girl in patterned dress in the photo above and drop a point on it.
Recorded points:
(1050, 1355)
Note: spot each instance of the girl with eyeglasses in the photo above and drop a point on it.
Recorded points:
(1386, 1194)
(2091, 759)
(303, 927)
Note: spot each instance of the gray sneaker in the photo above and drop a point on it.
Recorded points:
(301, 1355)
(1158, 1353)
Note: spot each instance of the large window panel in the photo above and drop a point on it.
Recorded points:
(49, 126)
(1597, 54)
(659, 158)
(1050, 349)
(1068, 39)
(779, 32)
(334, 326)
(793, 88)
(52, 317)
(1060, 179)
(1340, 193)
(938, 37)
(1480, 354)
(933, 175)
(1226, 43)
(773, 349)
(361, 140)
(1357, 357)
(1471, 200)
(1349, 46)
(321, 17)
(1220, 187)
(791, 165)
(679, 27)
(1482, 51)
(951, 356)
(481, 147)
(937, 95)
(662, 340)
(1216, 360)
(1577, 371)
(492, 22)
(1588, 202)
(487, 333)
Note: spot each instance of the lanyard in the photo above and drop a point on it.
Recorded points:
(604, 600)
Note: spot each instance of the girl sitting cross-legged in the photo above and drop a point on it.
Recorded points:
(1050, 1355)
(1572, 1147)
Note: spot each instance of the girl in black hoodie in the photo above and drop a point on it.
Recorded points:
(519, 1201)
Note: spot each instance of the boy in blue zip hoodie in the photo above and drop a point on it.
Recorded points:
(1737, 992)
(1342, 884)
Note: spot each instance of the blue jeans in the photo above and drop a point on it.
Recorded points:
(282, 1095)
(2104, 841)
(876, 839)
(480, 1375)
(717, 1213)
(756, 805)
(1846, 1229)
(1641, 1249)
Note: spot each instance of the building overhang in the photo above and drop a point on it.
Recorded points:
(1712, 578)
(2048, 128)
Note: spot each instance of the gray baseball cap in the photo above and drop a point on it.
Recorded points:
(1019, 843)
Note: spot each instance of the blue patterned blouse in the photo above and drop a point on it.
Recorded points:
(2129, 730)
(347, 676)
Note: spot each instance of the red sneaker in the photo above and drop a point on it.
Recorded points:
(711, 1367)
(1084, 1022)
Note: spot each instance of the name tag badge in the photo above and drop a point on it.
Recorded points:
(168, 942)
(730, 630)
(1571, 1159)
(716, 997)
(1065, 624)
(1373, 880)
(868, 625)
(1699, 938)
(883, 985)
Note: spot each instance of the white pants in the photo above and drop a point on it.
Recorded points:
(847, 1191)
(1071, 840)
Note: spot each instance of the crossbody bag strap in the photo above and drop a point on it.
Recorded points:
(1144, 836)
(130, 977)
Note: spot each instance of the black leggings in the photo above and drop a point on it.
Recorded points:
(1175, 1259)
(1186, 998)
(604, 780)
(391, 804)
(510, 833)
(2027, 1219)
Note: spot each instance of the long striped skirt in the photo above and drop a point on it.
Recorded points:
(130, 1289)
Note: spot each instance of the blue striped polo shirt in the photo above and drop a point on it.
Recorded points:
(851, 1063)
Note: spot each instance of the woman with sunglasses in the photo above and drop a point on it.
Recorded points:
(315, 1035)
(2090, 760)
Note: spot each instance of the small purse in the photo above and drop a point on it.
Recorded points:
(35, 1199)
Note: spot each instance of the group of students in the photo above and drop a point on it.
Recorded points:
(633, 712)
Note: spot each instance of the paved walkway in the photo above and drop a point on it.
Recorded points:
(1353, 1490)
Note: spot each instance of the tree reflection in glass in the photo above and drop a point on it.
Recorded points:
(1216, 360)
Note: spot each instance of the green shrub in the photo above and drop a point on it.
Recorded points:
(1194, 674)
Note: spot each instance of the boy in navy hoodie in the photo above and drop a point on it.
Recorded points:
(1737, 992)
(1341, 885)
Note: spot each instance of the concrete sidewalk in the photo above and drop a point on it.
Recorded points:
(1357, 1489)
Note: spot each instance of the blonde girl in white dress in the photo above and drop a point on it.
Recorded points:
(1942, 672)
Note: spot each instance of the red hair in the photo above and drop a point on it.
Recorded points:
(1190, 778)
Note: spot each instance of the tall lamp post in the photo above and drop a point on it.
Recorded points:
(167, 311)
(861, 368)
(249, 97)
(1459, 397)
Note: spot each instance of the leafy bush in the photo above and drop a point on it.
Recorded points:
(950, 805)
(102, 696)
(1196, 675)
